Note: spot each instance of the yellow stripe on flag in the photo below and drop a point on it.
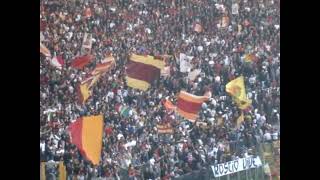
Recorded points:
(85, 92)
(43, 171)
(92, 131)
(137, 84)
(62, 171)
(148, 60)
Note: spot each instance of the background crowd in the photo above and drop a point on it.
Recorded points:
(158, 28)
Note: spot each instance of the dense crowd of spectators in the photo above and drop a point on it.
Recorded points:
(160, 27)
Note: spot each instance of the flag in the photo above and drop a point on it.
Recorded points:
(250, 57)
(189, 105)
(42, 170)
(84, 93)
(168, 105)
(197, 28)
(237, 90)
(225, 21)
(85, 87)
(164, 128)
(240, 120)
(87, 13)
(86, 133)
(193, 74)
(123, 110)
(81, 61)
(62, 171)
(184, 61)
(105, 66)
(142, 71)
(86, 44)
(57, 62)
(44, 50)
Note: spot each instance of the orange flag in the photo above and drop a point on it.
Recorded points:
(44, 50)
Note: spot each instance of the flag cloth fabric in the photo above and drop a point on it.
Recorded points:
(164, 128)
(240, 120)
(84, 93)
(86, 133)
(193, 74)
(57, 62)
(81, 61)
(184, 61)
(104, 66)
(62, 171)
(237, 90)
(85, 87)
(189, 105)
(250, 57)
(86, 44)
(142, 71)
(168, 105)
(123, 110)
(44, 50)
(42, 170)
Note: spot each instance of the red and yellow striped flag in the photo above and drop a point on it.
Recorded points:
(81, 61)
(168, 105)
(142, 71)
(86, 133)
(189, 105)
(105, 66)
(62, 171)
(44, 50)
(164, 128)
(85, 87)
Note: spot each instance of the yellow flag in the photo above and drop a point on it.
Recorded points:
(240, 120)
(43, 171)
(237, 90)
(62, 171)
(85, 93)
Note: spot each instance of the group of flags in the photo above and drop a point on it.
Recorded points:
(85, 87)
(141, 72)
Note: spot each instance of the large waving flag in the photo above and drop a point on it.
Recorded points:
(86, 133)
(142, 71)
(189, 105)
(44, 50)
(81, 61)
(237, 90)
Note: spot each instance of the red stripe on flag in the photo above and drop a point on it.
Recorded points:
(80, 62)
(187, 106)
(75, 130)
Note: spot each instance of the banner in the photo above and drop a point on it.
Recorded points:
(86, 44)
(235, 166)
(193, 74)
(185, 64)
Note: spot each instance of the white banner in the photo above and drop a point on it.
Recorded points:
(235, 166)
(185, 64)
